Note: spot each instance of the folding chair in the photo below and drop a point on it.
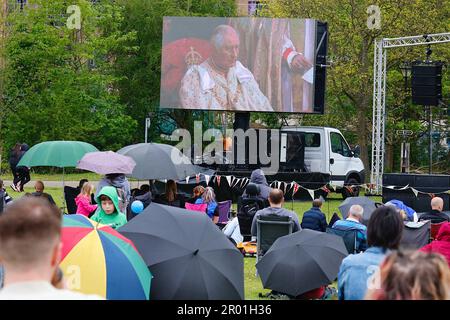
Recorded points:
(70, 194)
(415, 235)
(349, 236)
(196, 207)
(435, 229)
(269, 229)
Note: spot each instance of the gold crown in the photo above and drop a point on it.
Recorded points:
(192, 57)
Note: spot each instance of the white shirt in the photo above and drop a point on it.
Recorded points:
(41, 290)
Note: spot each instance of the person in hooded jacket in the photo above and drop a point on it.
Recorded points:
(122, 185)
(22, 173)
(108, 211)
(442, 242)
(257, 177)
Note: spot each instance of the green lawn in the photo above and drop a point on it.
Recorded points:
(253, 284)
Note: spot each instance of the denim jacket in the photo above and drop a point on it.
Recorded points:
(355, 271)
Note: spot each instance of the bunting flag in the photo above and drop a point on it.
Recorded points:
(295, 189)
(416, 192)
(229, 180)
(244, 182)
(236, 182)
(311, 193)
(207, 179)
(187, 179)
(197, 178)
(324, 188)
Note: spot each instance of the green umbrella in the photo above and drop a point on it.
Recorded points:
(61, 154)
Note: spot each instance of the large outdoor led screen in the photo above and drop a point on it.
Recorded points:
(239, 64)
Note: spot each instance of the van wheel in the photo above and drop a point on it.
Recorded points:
(350, 192)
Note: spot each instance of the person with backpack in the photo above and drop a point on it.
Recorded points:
(5, 199)
(122, 185)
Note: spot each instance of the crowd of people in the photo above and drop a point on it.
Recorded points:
(377, 269)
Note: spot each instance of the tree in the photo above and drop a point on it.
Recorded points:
(350, 80)
(59, 83)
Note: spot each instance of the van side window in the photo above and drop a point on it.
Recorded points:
(338, 145)
(312, 140)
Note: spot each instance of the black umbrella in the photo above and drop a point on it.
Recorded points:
(159, 161)
(189, 257)
(368, 205)
(301, 262)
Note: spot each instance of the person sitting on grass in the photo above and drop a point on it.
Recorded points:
(83, 200)
(39, 192)
(108, 212)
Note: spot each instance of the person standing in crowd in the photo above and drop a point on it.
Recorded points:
(83, 200)
(441, 244)
(257, 177)
(5, 199)
(30, 251)
(412, 275)
(209, 198)
(314, 219)
(39, 192)
(276, 201)
(14, 158)
(122, 185)
(353, 222)
(436, 215)
(384, 233)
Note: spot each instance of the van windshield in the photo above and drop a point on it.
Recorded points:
(338, 145)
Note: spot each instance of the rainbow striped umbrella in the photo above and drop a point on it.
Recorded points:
(98, 260)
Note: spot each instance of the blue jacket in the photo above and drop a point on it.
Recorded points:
(355, 271)
(314, 219)
(361, 236)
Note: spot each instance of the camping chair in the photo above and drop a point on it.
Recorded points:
(196, 207)
(435, 229)
(348, 235)
(224, 213)
(70, 194)
(415, 234)
(246, 212)
(269, 229)
(333, 219)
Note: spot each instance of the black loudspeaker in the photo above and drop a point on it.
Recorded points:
(321, 70)
(426, 83)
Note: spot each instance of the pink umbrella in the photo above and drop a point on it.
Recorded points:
(106, 162)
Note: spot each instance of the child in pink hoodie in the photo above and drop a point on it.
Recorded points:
(83, 200)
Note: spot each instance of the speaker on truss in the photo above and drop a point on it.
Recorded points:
(426, 83)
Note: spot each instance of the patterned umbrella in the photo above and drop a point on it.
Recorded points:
(106, 162)
(98, 260)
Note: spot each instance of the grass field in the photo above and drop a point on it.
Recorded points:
(253, 284)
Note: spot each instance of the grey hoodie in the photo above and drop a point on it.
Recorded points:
(258, 177)
(119, 181)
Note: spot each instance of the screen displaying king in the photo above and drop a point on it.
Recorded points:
(221, 82)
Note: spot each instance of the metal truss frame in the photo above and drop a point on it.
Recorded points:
(379, 97)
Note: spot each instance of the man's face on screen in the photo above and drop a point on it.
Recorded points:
(227, 54)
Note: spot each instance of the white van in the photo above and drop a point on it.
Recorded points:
(327, 151)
